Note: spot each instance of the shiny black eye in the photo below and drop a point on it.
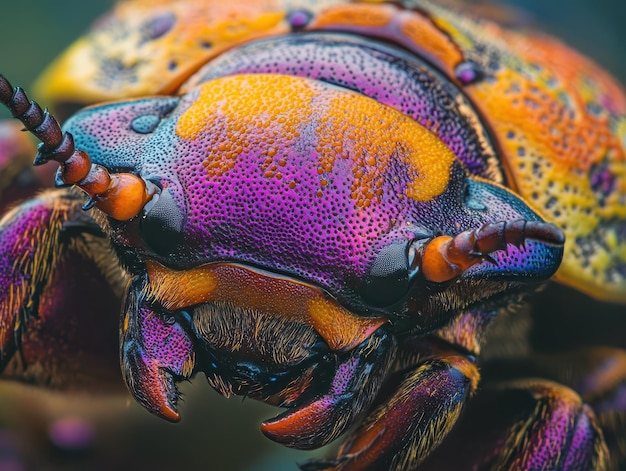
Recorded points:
(388, 279)
(162, 224)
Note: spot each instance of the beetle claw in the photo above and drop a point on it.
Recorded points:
(354, 386)
(415, 411)
(152, 386)
(150, 371)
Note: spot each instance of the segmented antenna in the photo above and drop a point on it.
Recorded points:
(122, 196)
(444, 257)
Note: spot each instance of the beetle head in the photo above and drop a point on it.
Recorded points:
(320, 184)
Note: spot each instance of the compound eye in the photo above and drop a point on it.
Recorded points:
(162, 224)
(388, 280)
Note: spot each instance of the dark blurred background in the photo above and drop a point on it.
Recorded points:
(43, 431)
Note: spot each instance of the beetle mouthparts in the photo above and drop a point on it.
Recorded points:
(122, 196)
(445, 258)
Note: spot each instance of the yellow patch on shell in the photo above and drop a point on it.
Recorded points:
(552, 149)
(272, 113)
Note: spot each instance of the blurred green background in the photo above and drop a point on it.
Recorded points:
(32, 33)
(215, 433)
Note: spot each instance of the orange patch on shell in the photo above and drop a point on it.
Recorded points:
(409, 27)
(269, 114)
(262, 291)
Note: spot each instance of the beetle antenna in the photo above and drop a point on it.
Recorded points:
(445, 258)
(122, 196)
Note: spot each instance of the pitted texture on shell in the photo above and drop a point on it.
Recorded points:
(270, 124)
(298, 177)
(296, 161)
(110, 132)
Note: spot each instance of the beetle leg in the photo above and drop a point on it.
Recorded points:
(356, 381)
(524, 425)
(423, 400)
(597, 374)
(424, 403)
(155, 352)
(56, 268)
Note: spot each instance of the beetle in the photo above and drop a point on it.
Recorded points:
(333, 237)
